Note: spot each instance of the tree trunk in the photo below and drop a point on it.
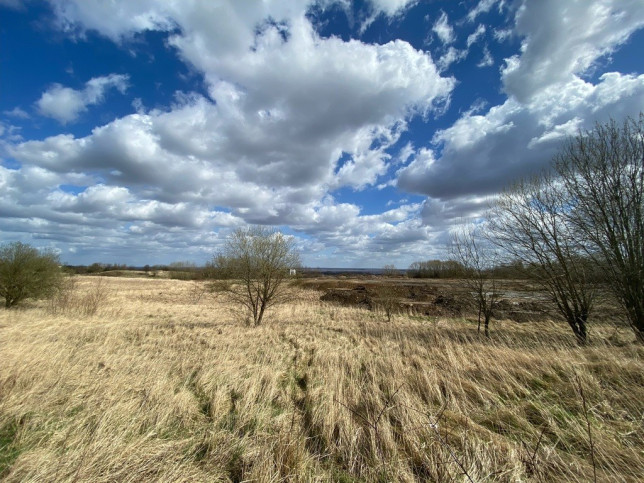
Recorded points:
(582, 327)
(479, 327)
(578, 326)
(487, 325)
(260, 316)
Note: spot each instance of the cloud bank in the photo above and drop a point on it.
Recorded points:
(292, 128)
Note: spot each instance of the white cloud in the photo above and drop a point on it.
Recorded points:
(487, 60)
(482, 154)
(75, 17)
(230, 23)
(405, 153)
(448, 58)
(266, 128)
(16, 112)
(65, 104)
(264, 92)
(482, 7)
(443, 29)
(563, 39)
(502, 34)
(392, 7)
(259, 149)
(476, 35)
(9, 133)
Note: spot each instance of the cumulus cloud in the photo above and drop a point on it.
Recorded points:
(563, 39)
(548, 100)
(228, 21)
(65, 104)
(262, 84)
(259, 148)
(288, 118)
(482, 154)
(264, 126)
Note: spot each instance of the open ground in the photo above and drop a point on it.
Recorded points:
(166, 382)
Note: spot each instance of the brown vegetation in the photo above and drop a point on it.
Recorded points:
(160, 385)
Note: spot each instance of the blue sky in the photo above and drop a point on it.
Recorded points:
(144, 132)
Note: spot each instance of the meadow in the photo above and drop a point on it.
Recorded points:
(161, 380)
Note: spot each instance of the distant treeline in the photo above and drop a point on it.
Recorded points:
(190, 271)
(175, 270)
(435, 269)
(453, 269)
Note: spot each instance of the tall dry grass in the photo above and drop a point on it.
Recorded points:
(165, 383)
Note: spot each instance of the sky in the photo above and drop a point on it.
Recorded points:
(145, 132)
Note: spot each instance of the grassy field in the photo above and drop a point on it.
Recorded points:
(166, 383)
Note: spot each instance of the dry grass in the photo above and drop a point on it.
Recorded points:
(161, 384)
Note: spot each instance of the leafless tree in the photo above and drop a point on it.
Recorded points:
(476, 258)
(389, 271)
(530, 223)
(602, 171)
(254, 265)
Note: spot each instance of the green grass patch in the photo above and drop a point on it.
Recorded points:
(9, 447)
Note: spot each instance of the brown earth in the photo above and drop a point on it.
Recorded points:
(519, 302)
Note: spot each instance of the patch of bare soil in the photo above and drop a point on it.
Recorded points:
(411, 298)
(350, 297)
(519, 302)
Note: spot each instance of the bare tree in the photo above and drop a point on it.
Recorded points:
(255, 263)
(530, 223)
(602, 172)
(390, 271)
(477, 259)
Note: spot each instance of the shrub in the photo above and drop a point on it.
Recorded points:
(26, 272)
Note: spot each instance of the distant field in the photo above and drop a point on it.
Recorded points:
(166, 383)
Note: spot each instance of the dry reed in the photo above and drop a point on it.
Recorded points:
(159, 384)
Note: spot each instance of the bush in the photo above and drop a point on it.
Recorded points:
(26, 272)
